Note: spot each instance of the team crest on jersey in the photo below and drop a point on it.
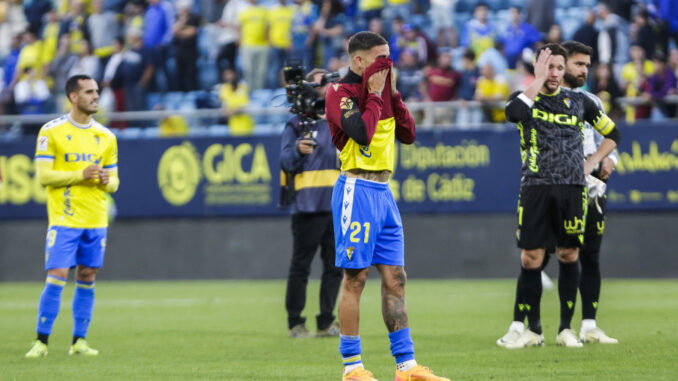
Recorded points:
(346, 103)
(568, 102)
(43, 143)
(349, 252)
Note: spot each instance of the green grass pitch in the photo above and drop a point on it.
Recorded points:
(236, 330)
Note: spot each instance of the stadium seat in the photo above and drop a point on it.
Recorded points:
(208, 75)
(187, 102)
(153, 99)
(518, 3)
(261, 97)
(463, 6)
(496, 5)
(150, 132)
(218, 130)
(172, 101)
(130, 133)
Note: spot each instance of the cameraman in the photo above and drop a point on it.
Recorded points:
(309, 160)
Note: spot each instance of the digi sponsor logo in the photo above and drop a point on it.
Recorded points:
(72, 157)
(568, 120)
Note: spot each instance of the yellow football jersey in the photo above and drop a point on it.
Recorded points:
(73, 147)
(377, 156)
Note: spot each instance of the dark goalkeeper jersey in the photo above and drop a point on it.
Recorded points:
(552, 134)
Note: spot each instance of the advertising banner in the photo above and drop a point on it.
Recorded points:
(443, 172)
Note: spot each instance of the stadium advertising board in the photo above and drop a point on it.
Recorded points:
(443, 172)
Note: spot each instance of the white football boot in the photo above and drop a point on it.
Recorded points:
(526, 339)
(596, 335)
(568, 338)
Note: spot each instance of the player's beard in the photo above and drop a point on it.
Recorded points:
(88, 108)
(548, 87)
(574, 82)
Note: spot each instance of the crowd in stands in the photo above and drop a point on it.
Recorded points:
(443, 50)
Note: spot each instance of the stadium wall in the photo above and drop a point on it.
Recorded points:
(636, 245)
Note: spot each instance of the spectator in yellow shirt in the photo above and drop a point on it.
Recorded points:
(50, 37)
(234, 96)
(633, 75)
(280, 36)
(31, 56)
(371, 9)
(491, 89)
(254, 44)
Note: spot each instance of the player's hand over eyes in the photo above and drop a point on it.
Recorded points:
(541, 67)
(91, 172)
(377, 81)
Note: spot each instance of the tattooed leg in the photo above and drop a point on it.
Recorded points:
(393, 307)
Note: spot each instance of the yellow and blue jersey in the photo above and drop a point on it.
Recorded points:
(73, 147)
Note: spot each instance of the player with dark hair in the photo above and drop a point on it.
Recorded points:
(553, 198)
(77, 159)
(576, 73)
(366, 114)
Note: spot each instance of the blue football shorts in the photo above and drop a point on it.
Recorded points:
(67, 247)
(367, 225)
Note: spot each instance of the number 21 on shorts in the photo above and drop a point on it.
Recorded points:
(356, 228)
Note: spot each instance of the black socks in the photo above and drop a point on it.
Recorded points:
(568, 282)
(529, 286)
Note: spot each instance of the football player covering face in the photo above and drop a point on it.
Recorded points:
(362, 59)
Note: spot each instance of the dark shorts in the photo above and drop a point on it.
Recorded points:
(551, 213)
(595, 223)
